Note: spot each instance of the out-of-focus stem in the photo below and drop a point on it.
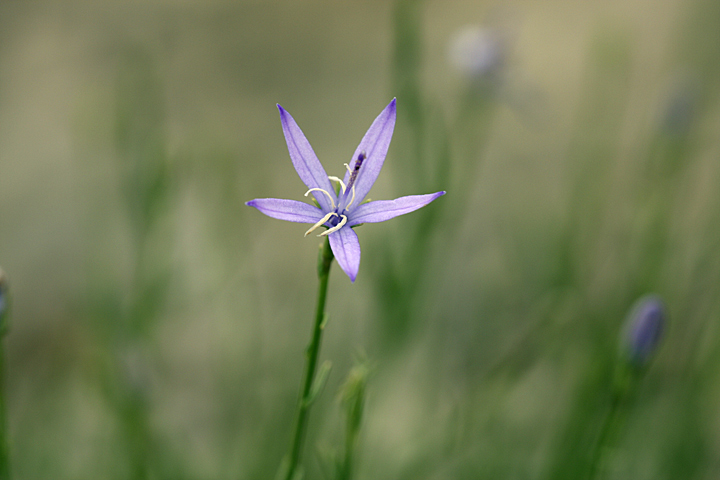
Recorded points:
(4, 451)
(623, 385)
(4, 454)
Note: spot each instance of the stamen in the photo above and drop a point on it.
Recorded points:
(351, 200)
(336, 227)
(336, 179)
(322, 220)
(332, 202)
(348, 168)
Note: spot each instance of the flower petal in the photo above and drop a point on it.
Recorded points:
(375, 144)
(290, 210)
(346, 248)
(305, 161)
(381, 210)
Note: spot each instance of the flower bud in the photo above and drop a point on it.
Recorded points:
(352, 394)
(477, 52)
(643, 330)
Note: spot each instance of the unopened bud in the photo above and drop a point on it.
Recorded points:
(352, 394)
(477, 52)
(643, 330)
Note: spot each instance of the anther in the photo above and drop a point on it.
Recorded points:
(360, 160)
(332, 202)
(336, 227)
(356, 168)
(319, 223)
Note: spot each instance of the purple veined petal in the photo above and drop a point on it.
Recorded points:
(306, 163)
(381, 210)
(346, 248)
(289, 210)
(375, 144)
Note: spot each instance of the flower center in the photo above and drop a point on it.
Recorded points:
(337, 218)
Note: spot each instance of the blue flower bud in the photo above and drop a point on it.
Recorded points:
(477, 52)
(643, 330)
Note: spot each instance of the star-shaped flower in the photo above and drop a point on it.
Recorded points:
(341, 211)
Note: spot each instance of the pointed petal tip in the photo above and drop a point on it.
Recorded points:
(288, 210)
(352, 275)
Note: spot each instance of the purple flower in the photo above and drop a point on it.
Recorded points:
(341, 211)
(643, 329)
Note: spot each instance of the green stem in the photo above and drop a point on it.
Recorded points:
(4, 454)
(622, 389)
(603, 439)
(4, 314)
(324, 261)
(347, 465)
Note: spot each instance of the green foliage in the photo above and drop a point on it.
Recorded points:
(158, 324)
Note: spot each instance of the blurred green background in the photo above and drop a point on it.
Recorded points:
(158, 324)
